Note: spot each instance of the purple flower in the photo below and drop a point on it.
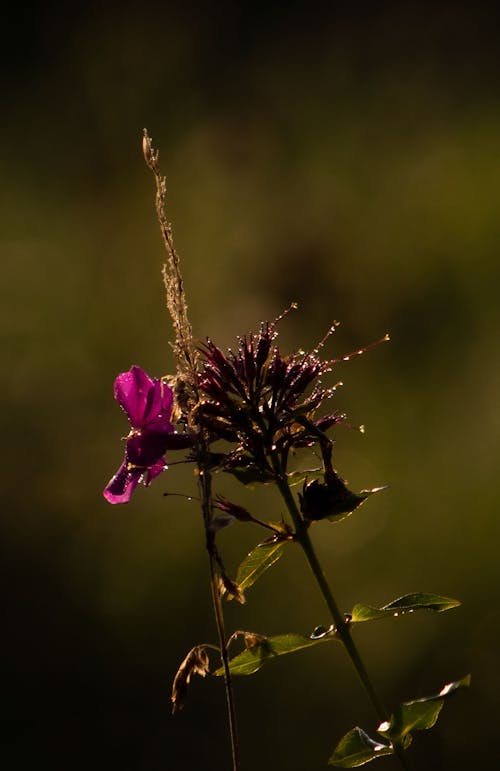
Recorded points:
(148, 404)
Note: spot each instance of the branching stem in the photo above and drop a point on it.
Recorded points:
(341, 626)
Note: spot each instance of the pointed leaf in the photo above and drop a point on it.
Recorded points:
(450, 688)
(411, 716)
(252, 659)
(258, 561)
(357, 748)
(419, 714)
(250, 474)
(296, 477)
(407, 604)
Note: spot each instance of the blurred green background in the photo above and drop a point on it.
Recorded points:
(342, 157)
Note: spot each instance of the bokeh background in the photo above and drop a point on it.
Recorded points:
(341, 156)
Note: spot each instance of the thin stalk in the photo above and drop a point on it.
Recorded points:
(205, 484)
(186, 367)
(341, 627)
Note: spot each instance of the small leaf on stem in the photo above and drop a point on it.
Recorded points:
(252, 659)
(406, 604)
(419, 714)
(258, 561)
(357, 748)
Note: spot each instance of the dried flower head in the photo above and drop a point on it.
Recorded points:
(263, 401)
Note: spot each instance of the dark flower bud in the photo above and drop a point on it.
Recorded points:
(328, 500)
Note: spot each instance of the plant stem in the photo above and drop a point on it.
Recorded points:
(341, 626)
(205, 484)
(186, 367)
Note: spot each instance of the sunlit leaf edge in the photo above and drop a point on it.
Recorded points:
(296, 477)
(251, 660)
(252, 568)
(402, 605)
(420, 714)
(357, 748)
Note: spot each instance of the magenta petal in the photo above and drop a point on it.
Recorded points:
(138, 395)
(167, 399)
(153, 471)
(122, 485)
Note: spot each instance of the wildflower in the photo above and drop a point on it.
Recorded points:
(263, 401)
(148, 404)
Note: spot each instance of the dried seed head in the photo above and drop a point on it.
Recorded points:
(231, 588)
(252, 639)
(195, 663)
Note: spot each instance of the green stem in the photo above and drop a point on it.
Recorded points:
(342, 628)
(205, 484)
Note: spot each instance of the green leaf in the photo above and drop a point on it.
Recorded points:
(407, 604)
(296, 477)
(252, 659)
(257, 562)
(357, 748)
(419, 714)
(250, 475)
(450, 688)
(411, 716)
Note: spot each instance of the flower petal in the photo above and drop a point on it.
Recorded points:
(120, 488)
(145, 448)
(153, 471)
(167, 399)
(138, 395)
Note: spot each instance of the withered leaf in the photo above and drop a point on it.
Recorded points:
(195, 663)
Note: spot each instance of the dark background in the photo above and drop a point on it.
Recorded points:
(340, 156)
